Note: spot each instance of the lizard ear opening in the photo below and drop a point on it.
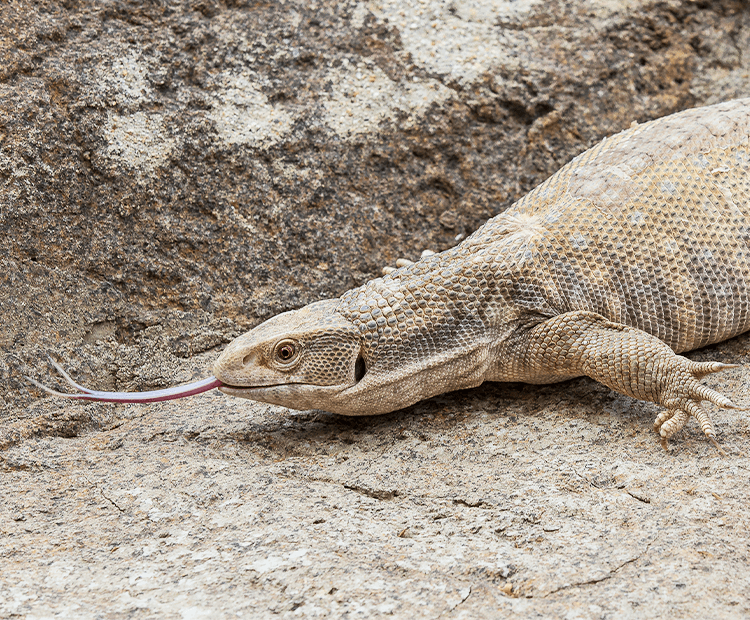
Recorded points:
(360, 369)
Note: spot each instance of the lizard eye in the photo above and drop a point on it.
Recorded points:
(286, 351)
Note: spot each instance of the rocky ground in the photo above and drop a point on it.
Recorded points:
(173, 173)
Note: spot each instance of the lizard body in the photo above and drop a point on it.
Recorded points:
(635, 251)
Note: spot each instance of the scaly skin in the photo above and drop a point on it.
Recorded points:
(636, 250)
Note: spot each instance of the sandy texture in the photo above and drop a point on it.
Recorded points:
(171, 174)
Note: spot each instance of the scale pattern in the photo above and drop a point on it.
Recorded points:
(636, 250)
(650, 227)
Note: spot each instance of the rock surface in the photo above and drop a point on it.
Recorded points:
(172, 173)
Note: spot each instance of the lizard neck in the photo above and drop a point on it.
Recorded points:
(434, 326)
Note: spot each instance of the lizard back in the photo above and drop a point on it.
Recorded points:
(650, 228)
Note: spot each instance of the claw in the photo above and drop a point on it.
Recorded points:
(702, 418)
(733, 405)
(702, 369)
(703, 392)
(153, 396)
(717, 446)
(671, 421)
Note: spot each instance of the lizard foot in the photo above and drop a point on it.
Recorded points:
(405, 262)
(628, 360)
(685, 399)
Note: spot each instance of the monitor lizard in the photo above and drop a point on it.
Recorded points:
(635, 251)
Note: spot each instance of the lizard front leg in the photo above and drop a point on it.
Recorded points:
(627, 360)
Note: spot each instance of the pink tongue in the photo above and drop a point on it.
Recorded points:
(155, 396)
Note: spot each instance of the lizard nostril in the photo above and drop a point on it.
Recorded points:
(248, 359)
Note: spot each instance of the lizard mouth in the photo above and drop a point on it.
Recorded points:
(235, 390)
(244, 390)
(241, 392)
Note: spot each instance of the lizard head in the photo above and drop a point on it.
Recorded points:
(300, 359)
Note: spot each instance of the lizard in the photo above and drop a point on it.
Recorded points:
(634, 252)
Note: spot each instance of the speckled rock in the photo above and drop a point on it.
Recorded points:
(173, 173)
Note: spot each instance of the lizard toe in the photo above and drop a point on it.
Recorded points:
(676, 419)
(703, 369)
(664, 416)
(670, 422)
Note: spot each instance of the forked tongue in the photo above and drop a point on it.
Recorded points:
(155, 396)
